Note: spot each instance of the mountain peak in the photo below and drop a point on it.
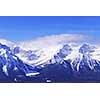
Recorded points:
(86, 48)
(6, 42)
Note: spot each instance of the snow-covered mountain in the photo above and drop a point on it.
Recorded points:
(74, 52)
(6, 42)
(43, 49)
(11, 66)
(48, 60)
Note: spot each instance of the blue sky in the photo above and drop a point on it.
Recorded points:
(27, 28)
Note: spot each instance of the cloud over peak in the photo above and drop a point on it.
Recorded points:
(53, 40)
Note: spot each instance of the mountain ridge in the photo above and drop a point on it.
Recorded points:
(57, 63)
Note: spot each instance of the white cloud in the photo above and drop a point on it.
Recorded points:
(52, 40)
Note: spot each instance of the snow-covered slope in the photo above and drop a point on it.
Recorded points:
(64, 51)
(26, 59)
(6, 42)
(79, 55)
(12, 66)
(64, 47)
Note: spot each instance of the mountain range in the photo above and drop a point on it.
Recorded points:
(49, 62)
